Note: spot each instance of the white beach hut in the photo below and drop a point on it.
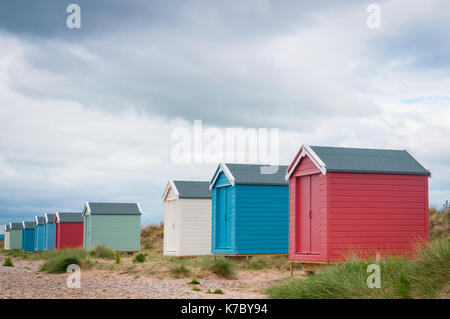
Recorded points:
(187, 218)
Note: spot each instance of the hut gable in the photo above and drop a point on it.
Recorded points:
(359, 160)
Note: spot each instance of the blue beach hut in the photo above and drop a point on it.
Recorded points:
(28, 234)
(39, 234)
(250, 210)
(49, 231)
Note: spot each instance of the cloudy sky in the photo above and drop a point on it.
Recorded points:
(87, 114)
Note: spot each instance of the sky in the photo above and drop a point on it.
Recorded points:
(89, 114)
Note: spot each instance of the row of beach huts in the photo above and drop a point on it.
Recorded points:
(115, 225)
(329, 202)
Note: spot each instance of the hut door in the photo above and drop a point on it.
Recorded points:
(307, 214)
(223, 224)
(171, 226)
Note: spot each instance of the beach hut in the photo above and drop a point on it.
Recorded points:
(115, 225)
(28, 236)
(7, 236)
(68, 230)
(345, 200)
(49, 231)
(250, 210)
(39, 234)
(187, 218)
(15, 239)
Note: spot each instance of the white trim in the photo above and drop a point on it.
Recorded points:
(57, 218)
(139, 207)
(170, 185)
(86, 207)
(223, 168)
(306, 150)
(23, 224)
(36, 220)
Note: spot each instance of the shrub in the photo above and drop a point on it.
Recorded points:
(117, 257)
(148, 245)
(223, 268)
(196, 289)
(180, 270)
(8, 262)
(62, 259)
(194, 281)
(102, 251)
(140, 258)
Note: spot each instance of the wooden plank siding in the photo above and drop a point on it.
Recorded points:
(262, 219)
(118, 232)
(376, 213)
(194, 227)
(15, 239)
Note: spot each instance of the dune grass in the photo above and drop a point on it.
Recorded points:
(425, 276)
(102, 251)
(61, 259)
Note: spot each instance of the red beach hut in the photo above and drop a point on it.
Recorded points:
(352, 200)
(68, 230)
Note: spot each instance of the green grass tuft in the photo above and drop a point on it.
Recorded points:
(223, 268)
(194, 281)
(62, 259)
(102, 251)
(140, 258)
(180, 270)
(8, 262)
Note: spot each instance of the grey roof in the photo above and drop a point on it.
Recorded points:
(251, 174)
(69, 217)
(16, 226)
(7, 228)
(114, 208)
(50, 217)
(361, 160)
(40, 220)
(193, 189)
(29, 225)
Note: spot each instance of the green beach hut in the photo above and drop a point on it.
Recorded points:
(15, 236)
(115, 225)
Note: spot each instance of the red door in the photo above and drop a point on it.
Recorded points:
(307, 214)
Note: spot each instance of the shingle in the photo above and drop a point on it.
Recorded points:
(193, 189)
(251, 174)
(29, 225)
(114, 209)
(70, 217)
(360, 160)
